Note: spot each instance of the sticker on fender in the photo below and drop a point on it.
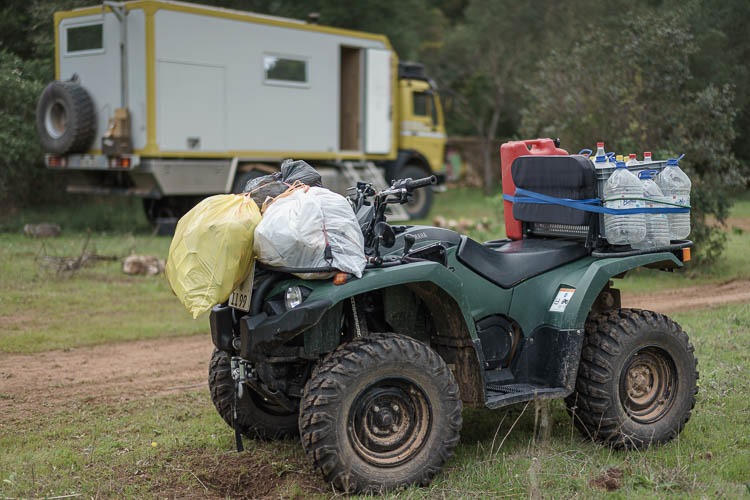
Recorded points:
(562, 300)
(240, 298)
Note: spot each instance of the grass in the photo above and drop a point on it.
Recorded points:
(41, 309)
(175, 445)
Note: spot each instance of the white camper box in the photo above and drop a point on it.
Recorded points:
(210, 90)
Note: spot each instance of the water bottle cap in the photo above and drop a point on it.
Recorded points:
(646, 174)
(632, 155)
(620, 164)
(601, 159)
(599, 144)
(647, 153)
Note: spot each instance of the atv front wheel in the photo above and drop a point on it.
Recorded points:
(636, 381)
(380, 413)
(258, 418)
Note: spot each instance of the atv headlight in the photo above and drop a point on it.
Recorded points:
(293, 297)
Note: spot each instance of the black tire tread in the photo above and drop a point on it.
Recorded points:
(317, 420)
(221, 386)
(589, 404)
(81, 118)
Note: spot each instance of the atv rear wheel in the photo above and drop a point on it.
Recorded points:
(636, 381)
(258, 418)
(382, 412)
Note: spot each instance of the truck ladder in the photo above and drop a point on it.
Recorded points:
(366, 171)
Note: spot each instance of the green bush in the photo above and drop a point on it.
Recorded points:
(21, 156)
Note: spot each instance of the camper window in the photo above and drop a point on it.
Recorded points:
(84, 38)
(283, 70)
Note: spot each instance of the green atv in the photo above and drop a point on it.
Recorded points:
(372, 373)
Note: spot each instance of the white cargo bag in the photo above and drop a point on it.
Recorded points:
(296, 229)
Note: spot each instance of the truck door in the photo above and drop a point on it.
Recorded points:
(88, 47)
(378, 115)
(422, 121)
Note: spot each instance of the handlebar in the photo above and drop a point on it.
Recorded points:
(427, 181)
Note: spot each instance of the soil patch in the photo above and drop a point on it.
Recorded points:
(731, 223)
(610, 480)
(110, 373)
(196, 474)
(692, 297)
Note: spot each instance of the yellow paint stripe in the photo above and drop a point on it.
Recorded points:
(154, 5)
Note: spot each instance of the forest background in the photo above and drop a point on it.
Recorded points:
(667, 76)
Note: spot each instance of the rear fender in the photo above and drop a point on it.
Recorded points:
(533, 299)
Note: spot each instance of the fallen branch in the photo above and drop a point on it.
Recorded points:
(73, 264)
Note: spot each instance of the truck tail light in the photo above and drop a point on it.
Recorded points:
(56, 161)
(120, 162)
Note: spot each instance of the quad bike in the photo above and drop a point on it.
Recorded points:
(372, 373)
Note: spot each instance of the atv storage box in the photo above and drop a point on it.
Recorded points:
(571, 177)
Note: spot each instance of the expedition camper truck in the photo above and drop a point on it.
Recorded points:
(172, 102)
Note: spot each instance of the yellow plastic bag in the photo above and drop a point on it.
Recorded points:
(212, 251)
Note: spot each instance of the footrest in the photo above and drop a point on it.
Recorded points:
(501, 395)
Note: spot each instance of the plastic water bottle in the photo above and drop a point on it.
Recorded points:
(675, 184)
(631, 160)
(600, 149)
(647, 157)
(601, 162)
(622, 190)
(657, 225)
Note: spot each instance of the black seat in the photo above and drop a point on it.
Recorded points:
(519, 260)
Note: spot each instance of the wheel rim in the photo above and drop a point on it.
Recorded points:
(56, 119)
(648, 384)
(389, 421)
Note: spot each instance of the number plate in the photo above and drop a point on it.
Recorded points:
(240, 298)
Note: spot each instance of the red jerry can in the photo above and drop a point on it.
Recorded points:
(509, 152)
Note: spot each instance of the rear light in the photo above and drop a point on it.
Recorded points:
(120, 162)
(56, 161)
(685, 254)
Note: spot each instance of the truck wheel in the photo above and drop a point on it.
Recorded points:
(421, 202)
(65, 118)
(636, 381)
(242, 178)
(381, 413)
(258, 419)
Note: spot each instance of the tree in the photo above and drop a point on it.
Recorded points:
(634, 89)
(482, 63)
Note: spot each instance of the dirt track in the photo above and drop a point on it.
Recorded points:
(102, 374)
(133, 370)
(692, 297)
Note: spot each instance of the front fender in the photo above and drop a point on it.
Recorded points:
(532, 299)
(376, 279)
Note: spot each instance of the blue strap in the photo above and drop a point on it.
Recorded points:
(590, 205)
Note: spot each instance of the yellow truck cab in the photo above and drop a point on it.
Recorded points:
(138, 109)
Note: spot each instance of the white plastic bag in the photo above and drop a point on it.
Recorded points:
(296, 229)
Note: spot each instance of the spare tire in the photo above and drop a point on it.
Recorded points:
(65, 118)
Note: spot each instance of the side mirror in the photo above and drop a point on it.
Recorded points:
(385, 234)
